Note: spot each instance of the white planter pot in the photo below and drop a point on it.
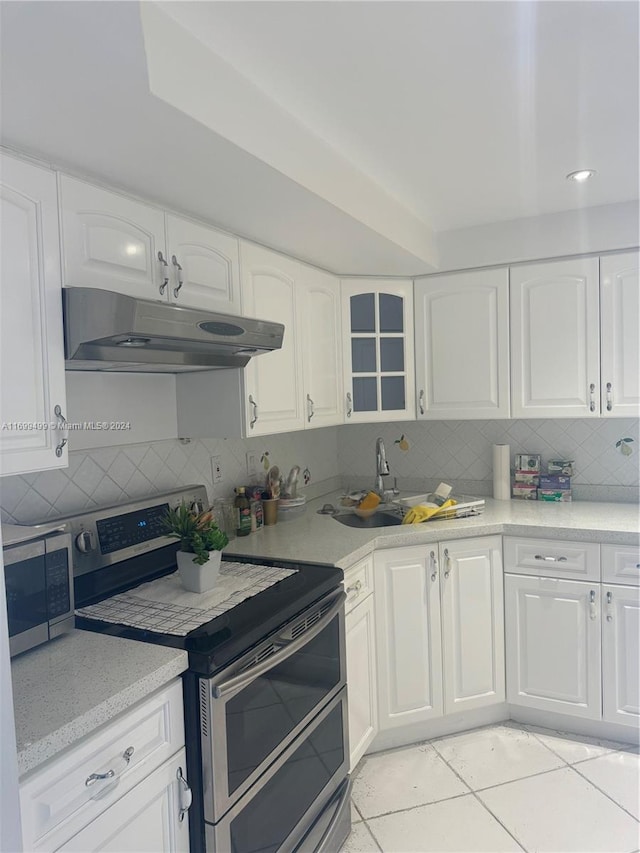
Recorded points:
(197, 578)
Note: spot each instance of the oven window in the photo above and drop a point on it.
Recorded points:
(260, 717)
(272, 813)
(26, 595)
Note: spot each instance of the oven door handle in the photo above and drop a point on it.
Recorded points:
(287, 649)
(327, 842)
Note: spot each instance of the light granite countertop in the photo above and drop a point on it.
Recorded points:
(321, 539)
(66, 689)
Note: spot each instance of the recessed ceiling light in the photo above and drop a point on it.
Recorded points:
(581, 175)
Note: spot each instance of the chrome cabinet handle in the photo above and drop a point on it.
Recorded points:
(550, 559)
(164, 273)
(592, 391)
(357, 587)
(609, 397)
(447, 558)
(254, 419)
(185, 795)
(62, 426)
(180, 280)
(434, 565)
(421, 401)
(349, 404)
(609, 606)
(110, 774)
(310, 411)
(592, 605)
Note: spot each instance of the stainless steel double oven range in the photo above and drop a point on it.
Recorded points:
(265, 693)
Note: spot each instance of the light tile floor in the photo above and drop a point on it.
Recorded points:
(501, 788)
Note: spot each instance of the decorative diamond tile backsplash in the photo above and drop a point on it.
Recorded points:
(458, 452)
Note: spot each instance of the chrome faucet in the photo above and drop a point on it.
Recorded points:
(382, 467)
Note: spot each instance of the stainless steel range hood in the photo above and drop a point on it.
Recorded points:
(110, 331)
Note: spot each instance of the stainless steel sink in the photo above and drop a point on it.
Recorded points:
(379, 519)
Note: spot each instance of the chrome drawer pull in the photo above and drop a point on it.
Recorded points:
(185, 796)
(550, 559)
(110, 774)
(355, 588)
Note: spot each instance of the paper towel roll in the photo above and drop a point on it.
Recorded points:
(501, 472)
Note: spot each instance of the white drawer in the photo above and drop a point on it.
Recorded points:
(621, 564)
(56, 802)
(358, 582)
(553, 558)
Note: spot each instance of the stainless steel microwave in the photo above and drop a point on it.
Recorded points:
(39, 584)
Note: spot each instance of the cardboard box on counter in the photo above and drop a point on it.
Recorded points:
(527, 478)
(561, 466)
(528, 462)
(555, 481)
(525, 492)
(554, 495)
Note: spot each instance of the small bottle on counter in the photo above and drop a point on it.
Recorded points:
(243, 513)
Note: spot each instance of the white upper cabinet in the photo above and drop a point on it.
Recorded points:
(377, 334)
(116, 243)
(555, 369)
(32, 387)
(322, 348)
(620, 351)
(204, 266)
(274, 399)
(462, 345)
(111, 241)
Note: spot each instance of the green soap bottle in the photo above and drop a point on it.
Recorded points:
(243, 513)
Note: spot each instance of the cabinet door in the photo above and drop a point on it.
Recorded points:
(472, 623)
(146, 820)
(555, 339)
(361, 679)
(204, 266)
(31, 341)
(112, 242)
(620, 350)
(621, 654)
(462, 345)
(408, 636)
(377, 328)
(322, 348)
(553, 645)
(273, 381)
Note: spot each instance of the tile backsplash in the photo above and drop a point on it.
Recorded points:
(109, 475)
(458, 452)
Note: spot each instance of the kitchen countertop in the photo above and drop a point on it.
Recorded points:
(67, 688)
(321, 539)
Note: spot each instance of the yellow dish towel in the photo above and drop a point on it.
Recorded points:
(420, 513)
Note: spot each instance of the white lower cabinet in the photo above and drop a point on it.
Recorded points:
(439, 629)
(621, 654)
(553, 644)
(147, 820)
(361, 659)
(121, 788)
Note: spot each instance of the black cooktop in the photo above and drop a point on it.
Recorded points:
(215, 644)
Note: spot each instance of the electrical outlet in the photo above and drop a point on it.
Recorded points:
(216, 469)
(252, 466)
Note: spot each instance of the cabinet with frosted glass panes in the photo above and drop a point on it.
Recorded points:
(377, 323)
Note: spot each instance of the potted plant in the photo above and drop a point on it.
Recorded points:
(201, 544)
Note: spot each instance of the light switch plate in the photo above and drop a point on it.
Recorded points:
(216, 469)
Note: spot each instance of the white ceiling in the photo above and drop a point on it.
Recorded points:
(442, 115)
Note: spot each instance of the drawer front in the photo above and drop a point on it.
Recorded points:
(58, 801)
(358, 582)
(553, 558)
(621, 564)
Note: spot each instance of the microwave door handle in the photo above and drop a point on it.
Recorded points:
(238, 682)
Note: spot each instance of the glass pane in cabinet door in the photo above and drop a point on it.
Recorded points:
(392, 391)
(363, 355)
(363, 313)
(391, 316)
(391, 355)
(365, 395)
